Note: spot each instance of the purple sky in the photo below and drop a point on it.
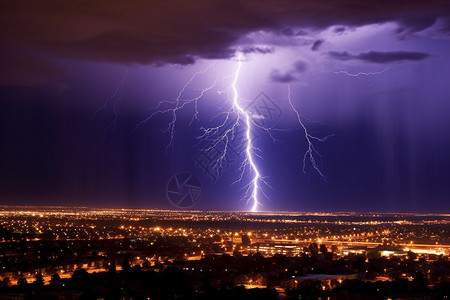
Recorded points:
(375, 76)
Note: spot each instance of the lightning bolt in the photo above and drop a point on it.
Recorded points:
(253, 187)
(231, 121)
(363, 73)
(232, 117)
(311, 153)
(112, 101)
(177, 105)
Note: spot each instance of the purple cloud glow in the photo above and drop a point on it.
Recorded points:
(147, 32)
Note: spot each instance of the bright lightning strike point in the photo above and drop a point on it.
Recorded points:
(254, 184)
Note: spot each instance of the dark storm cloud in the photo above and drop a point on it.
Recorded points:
(176, 31)
(416, 23)
(380, 57)
(387, 57)
(339, 29)
(342, 55)
(22, 68)
(317, 45)
(277, 76)
(291, 75)
(261, 50)
(291, 32)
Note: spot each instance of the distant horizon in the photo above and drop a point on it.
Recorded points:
(229, 211)
(252, 106)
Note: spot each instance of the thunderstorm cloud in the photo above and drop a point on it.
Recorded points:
(317, 45)
(291, 75)
(380, 57)
(176, 31)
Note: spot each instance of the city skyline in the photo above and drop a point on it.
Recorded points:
(282, 252)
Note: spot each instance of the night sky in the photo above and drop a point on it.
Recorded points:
(78, 77)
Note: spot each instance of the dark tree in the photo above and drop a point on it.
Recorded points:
(412, 255)
(237, 253)
(22, 282)
(146, 264)
(313, 249)
(39, 280)
(126, 264)
(6, 281)
(55, 280)
(80, 279)
(245, 239)
(112, 268)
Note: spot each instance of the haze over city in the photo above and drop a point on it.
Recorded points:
(80, 90)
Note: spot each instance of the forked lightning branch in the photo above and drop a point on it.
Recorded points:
(234, 119)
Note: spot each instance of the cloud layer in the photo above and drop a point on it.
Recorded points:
(178, 31)
(380, 57)
(291, 75)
